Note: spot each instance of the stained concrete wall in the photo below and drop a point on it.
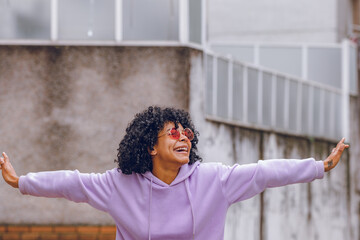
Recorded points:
(68, 107)
(324, 209)
(279, 20)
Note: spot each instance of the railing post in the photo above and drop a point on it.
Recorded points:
(332, 114)
(54, 20)
(214, 98)
(273, 100)
(203, 22)
(230, 88)
(322, 113)
(184, 21)
(260, 97)
(286, 103)
(311, 110)
(345, 99)
(205, 82)
(304, 62)
(299, 108)
(245, 94)
(118, 20)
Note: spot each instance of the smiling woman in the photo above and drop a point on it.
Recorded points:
(160, 190)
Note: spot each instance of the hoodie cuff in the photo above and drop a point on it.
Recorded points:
(319, 169)
(22, 184)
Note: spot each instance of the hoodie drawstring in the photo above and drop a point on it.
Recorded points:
(150, 203)
(191, 206)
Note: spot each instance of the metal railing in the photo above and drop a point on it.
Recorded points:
(254, 96)
(322, 63)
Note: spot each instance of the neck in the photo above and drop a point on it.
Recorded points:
(167, 175)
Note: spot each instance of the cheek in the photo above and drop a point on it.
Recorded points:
(168, 145)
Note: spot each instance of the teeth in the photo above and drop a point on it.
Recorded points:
(181, 149)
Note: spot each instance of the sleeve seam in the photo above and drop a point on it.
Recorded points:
(222, 188)
(111, 194)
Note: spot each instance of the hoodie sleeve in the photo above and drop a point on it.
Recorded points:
(94, 189)
(241, 182)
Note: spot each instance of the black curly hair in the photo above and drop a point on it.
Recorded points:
(142, 134)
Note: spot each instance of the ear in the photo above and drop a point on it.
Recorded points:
(152, 152)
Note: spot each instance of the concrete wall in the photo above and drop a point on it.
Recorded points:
(278, 20)
(344, 17)
(68, 107)
(324, 209)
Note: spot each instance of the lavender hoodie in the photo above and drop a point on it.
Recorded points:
(193, 206)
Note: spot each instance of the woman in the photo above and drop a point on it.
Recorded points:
(160, 190)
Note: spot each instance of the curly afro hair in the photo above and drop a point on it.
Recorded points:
(142, 134)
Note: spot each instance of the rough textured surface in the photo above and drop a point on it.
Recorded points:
(323, 209)
(68, 107)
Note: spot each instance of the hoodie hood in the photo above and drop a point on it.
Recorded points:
(185, 171)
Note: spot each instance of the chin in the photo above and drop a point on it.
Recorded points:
(184, 161)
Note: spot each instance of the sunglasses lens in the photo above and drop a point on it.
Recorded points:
(174, 133)
(189, 134)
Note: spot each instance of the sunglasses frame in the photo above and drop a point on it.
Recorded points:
(168, 132)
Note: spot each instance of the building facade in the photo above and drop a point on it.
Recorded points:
(69, 89)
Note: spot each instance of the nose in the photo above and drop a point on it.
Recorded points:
(183, 137)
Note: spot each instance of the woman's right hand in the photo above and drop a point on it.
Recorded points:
(8, 171)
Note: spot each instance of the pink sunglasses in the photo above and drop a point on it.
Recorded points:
(175, 134)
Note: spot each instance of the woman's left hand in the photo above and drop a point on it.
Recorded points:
(332, 160)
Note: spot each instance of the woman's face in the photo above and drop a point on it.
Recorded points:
(169, 152)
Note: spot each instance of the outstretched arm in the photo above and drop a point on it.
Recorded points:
(94, 189)
(332, 160)
(8, 171)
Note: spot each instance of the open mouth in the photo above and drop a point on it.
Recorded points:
(181, 150)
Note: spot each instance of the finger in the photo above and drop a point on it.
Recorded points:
(344, 146)
(341, 149)
(340, 142)
(6, 158)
